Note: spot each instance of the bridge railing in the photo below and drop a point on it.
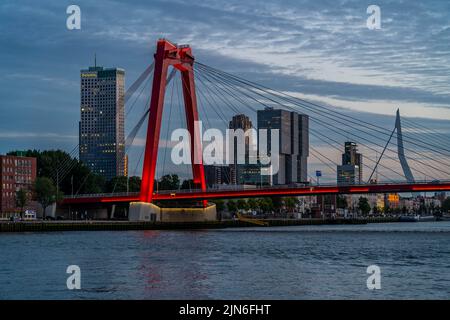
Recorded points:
(250, 187)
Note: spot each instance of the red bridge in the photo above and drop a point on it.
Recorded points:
(430, 157)
(263, 192)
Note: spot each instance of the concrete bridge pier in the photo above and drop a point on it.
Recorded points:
(143, 211)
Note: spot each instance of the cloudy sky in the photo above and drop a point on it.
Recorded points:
(319, 50)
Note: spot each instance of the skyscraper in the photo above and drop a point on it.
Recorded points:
(101, 129)
(293, 143)
(350, 172)
(239, 121)
(216, 175)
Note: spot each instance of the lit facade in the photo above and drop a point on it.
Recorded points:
(350, 172)
(101, 128)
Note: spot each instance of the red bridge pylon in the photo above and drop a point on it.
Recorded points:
(180, 57)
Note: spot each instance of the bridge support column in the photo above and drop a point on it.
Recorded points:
(141, 211)
(180, 58)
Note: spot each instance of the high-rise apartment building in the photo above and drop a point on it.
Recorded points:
(101, 128)
(243, 122)
(350, 172)
(293, 143)
(15, 173)
(217, 175)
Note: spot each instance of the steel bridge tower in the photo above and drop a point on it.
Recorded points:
(181, 58)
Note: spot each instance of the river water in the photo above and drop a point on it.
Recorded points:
(300, 262)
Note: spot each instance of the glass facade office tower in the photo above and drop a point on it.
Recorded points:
(101, 129)
(350, 172)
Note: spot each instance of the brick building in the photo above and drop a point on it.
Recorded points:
(15, 173)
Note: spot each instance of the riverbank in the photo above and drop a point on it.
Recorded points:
(46, 226)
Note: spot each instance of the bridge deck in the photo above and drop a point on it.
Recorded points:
(263, 192)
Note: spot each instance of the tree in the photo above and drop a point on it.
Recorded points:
(187, 184)
(134, 184)
(83, 181)
(446, 205)
(341, 202)
(220, 205)
(231, 206)
(375, 210)
(266, 205)
(364, 206)
(169, 182)
(124, 184)
(45, 193)
(291, 203)
(277, 203)
(242, 204)
(21, 200)
(252, 204)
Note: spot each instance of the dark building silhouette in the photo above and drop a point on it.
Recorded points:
(350, 172)
(293, 143)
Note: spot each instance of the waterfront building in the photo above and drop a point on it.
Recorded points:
(16, 172)
(101, 127)
(326, 206)
(392, 200)
(350, 172)
(217, 175)
(239, 121)
(250, 174)
(293, 143)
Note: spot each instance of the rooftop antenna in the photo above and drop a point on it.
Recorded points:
(95, 60)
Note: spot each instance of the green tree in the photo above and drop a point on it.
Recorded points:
(276, 203)
(252, 204)
(45, 193)
(291, 203)
(266, 205)
(187, 184)
(375, 210)
(21, 200)
(120, 184)
(341, 202)
(134, 184)
(220, 205)
(446, 205)
(231, 206)
(363, 206)
(169, 182)
(242, 204)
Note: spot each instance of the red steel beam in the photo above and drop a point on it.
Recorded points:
(180, 57)
(249, 193)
